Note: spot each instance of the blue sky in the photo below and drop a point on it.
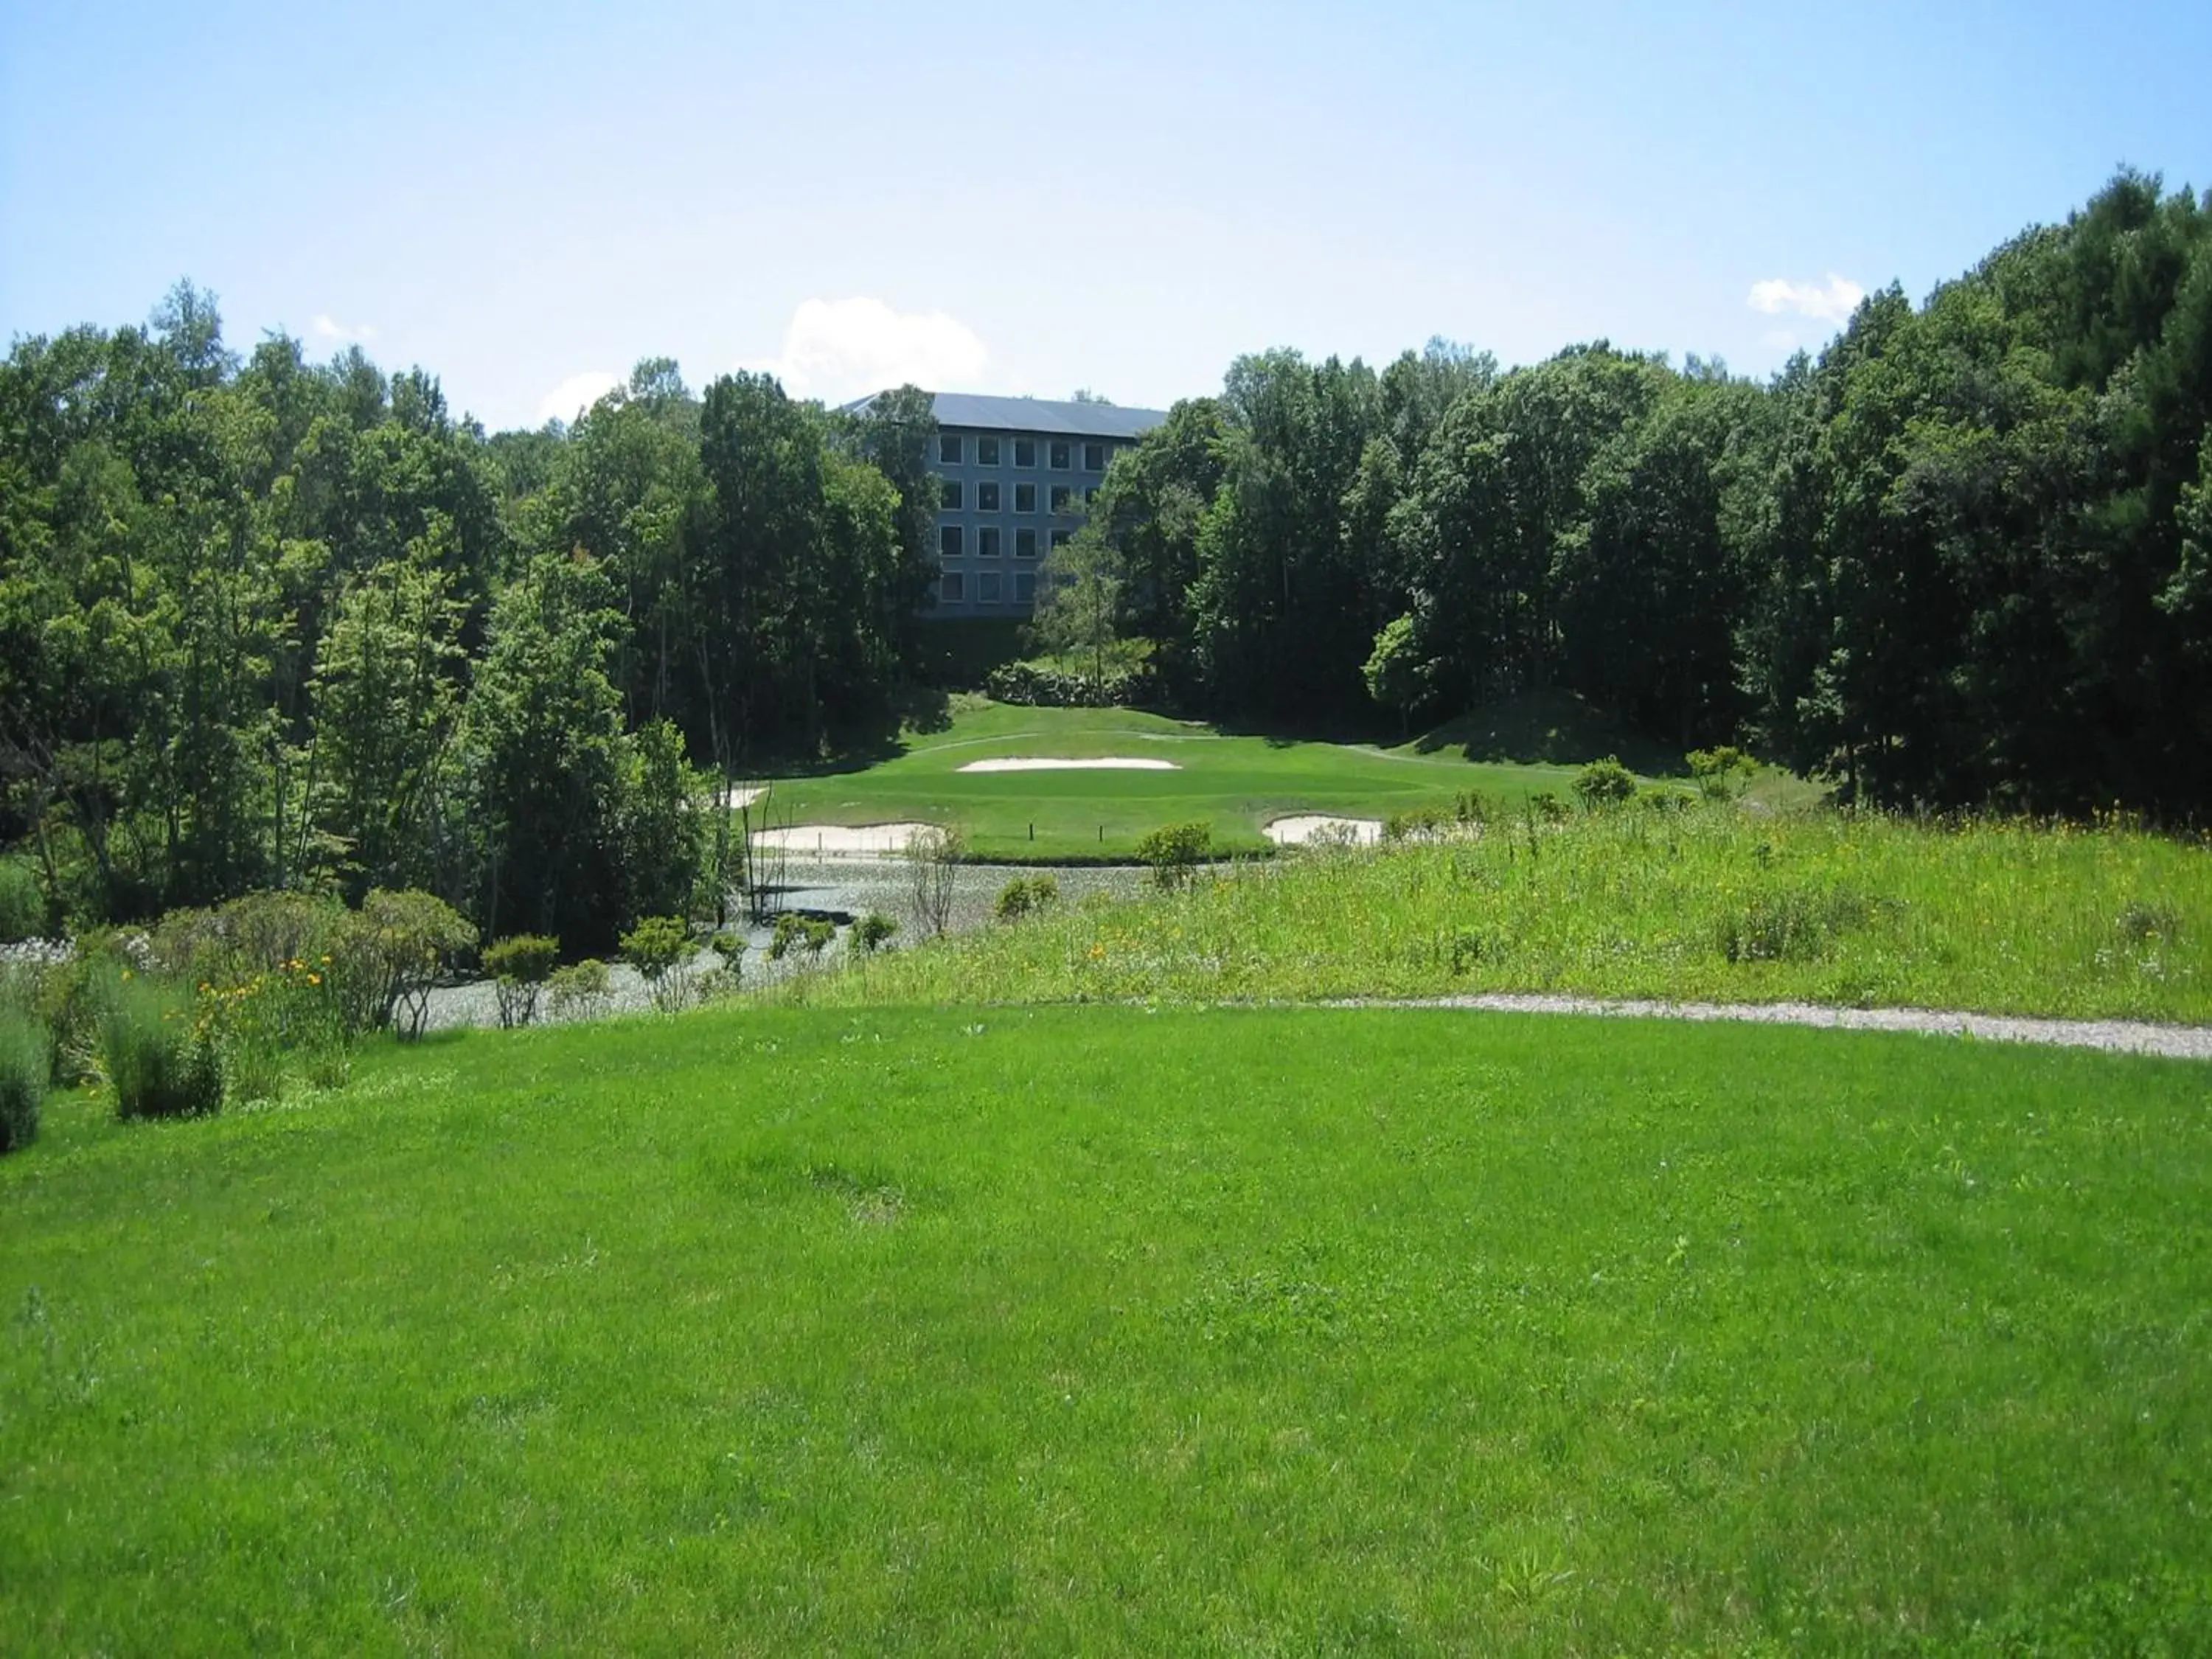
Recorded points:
(526, 198)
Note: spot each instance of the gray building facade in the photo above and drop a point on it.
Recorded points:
(1013, 475)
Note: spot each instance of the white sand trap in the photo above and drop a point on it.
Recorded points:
(746, 794)
(1320, 826)
(833, 839)
(1110, 763)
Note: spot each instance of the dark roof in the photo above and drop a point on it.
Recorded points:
(972, 411)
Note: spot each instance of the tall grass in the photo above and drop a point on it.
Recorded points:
(25, 1058)
(1708, 902)
(159, 1058)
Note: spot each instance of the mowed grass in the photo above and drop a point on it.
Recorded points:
(1234, 784)
(1717, 902)
(1097, 1330)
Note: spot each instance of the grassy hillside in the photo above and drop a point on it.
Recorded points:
(1234, 783)
(1103, 1331)
(1717, 902)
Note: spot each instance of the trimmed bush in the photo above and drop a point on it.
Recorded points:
(519, 967)
(25, 1063)
(160, 1060)
(1721, 773)
(391, 954)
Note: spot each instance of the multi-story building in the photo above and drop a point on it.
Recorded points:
(1013, 475)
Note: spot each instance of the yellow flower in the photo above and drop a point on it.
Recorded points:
(314, 979)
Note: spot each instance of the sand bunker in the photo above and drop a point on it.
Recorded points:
(836, 840)
(1319, 827)
(1110, 763)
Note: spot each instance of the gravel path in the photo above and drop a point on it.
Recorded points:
(2114, 1036)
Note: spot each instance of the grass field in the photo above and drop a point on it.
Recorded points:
(1236, 784)
(1714, 903)
(1097, 1330)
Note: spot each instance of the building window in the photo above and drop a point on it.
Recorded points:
(1025, 452)
(948, 448)
(1025, 586)
(987, 542)
(1025, 543)
(1060, 456)
(948, 494)
(954, 588)
(986, 587)
(986, 451)
(1059, 495)
(948, 540)
(986, 498)
(1059, 538)
(1094, 457)
(1025, 498)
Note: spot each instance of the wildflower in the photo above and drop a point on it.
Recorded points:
(314, 979)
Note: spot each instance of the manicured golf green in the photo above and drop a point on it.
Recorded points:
(1103, 1331)
(1236, 784)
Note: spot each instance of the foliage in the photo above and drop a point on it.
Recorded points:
(25, 1064)
(22, 901)
(1605, 782)
(1721, 773)
(662, 951)
(519, 966)
(160, 1060)
(1175, 851)
(1024, 894)
(1040, 685)
(1705, 903)
(794, 932)
(394, 953)
(579, 989)
(874, 931)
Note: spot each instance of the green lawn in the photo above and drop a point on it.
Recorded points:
(1101, 1330)
(1237, 784)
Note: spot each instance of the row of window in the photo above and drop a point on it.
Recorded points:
(952, 493)
(1060, 454)
(987, 590)
(951, 542)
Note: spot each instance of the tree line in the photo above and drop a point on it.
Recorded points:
(267, 623)
(271, 624)
(1962, 558)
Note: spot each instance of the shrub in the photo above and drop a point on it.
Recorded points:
(1548, 806)
(1664, 798)
(1605, 783)
(871, 933)
(519, 966)
(727, 976)
(160, 1060)
(662, 950)
(932, 862)
(1040, 685)
(390, 955)
(1416, 823)
(815, 934)
(25, 1064)
(788, 927)
(1721, 773)
(22, 903)
(579, 988)
(1174, 851)
(1026, 894)
(1471, 807)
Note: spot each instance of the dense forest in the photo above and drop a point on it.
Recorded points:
(265, 622)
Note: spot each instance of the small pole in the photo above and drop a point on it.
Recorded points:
(1032, 832)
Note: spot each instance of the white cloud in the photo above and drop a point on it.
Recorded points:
(323, 328)
(836, 349)
(1831, 301)
(577, 393)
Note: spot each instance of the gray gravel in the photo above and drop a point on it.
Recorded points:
(2114, 1036)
